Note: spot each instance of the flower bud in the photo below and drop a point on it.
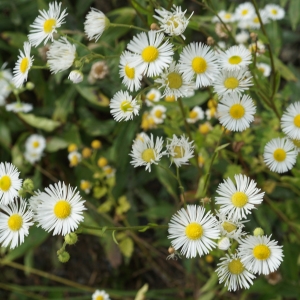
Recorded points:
(28, 185)
(76, 76)
(64, 257)
(29, 86)
(258, 231)
(71, 238)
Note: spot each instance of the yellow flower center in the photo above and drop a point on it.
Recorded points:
(151, 97)
(24, 65)
(279, 155)
(84, 185)
(204, 128)
(96, 144)
(148, 155)
(72, 147)
(158, 114)
(48, 25)
(62, 209)
(129, 72)
(102, 162)
(170, 98)
(261, 252)
(5, 183)
(35, 144)
(199, 65)
(201, 160)
(227, 16)
(74, 160)
(172, 21)
(15, 222)
(193, 114)
(178, 152)
(231, 83)
(150, 54)
(297, 120)
(194, 231)
(274, 11)
(229, 227)
(99, 298)
(237, 111)
(235, 60)
(174, 80)
(261, 69)
(256, 20)
(244, 12)
(108, 170)
(236, 267)
(239, 199)
(126, 106)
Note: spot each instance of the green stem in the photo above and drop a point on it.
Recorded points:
(168, 170)
(40, 67)
(153, 226)
(180, 187)
(115, 25)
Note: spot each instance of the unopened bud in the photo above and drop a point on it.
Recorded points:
(171, 250)
(29, 86)
(258, 231)
(22, 193)
(64, 257)
(210, 41)
(28, 185)
(76, 76)
(205, 200)
(71, 238)
(253, 36)
(154, 26)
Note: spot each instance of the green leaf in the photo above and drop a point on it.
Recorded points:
(92, 95)
(126, 246)
(294, 13)
(285, 72)
(114, 238)
(55, 143)
(221, 147)
(5, 137)
(144, 229)
(39, 122)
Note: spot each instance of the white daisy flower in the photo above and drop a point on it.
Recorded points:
(96, 22)
(100, 295)
(172, 23)
(33, 157)
(225, 16)
(15, 221)
(233, 229)
(195, 115)
(123, 107)
(238, 201)
(61, 55)
(152, 54)
(35, 143)
(22, 66)
(193, 229)
(235, 58)
(153, 95)
(76, 76)
(260, 254)
(61, 209)
(10, 183)
(254, 21)
(236, 113)
(175, 82)
(274, 12)
(74, 158)
(280, 155)
(146, 152)
(5, 83)
(224, 243)
(45, 25)
(158, 113)
(233, 272)
(19, 107)
(131, 76)
(290, 121)
(244, 11)
(235, 81)
(109, 171)
(34, 201)
(198, 60)
(242, 37)
(264, 68)
(180, 150)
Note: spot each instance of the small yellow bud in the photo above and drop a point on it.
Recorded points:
(209, 258)
(72, 148)
(102, 162)
(86, 152)
(96, 144)
(258, 231)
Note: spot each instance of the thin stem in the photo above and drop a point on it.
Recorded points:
(118, 228)
(168, 170)
(45, 172)
(180, 187)
(40, 67)
(127, 26)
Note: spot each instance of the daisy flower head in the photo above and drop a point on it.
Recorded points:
(264, 68)
(123, 107)
(194, 230)
(244, 11)
(100, 295)
(46, 23)
(33, 157)
(85, 185)
(61, 209)
(35, 143)
(172, 22)
(180, 150)
(198, 60)
(76, 76)
(274, 12)
(153, 95)
(225, 16)
(175, 82)
(131, 76)
(237, 200)
(15, 220)
(34, 201)
(195, 115)
(254, 22)
(235, 58)
(10, 183)
(242, 37)
(22, 66)
(61, 55)
(290, 121)
(96, 22)
(158, 113)
(236, 113)
(147, 121)
(74, 158)
(280, 155)
(146, 152)
(234, 81)
(260, 254)
(153, 55)
(233, 272)
(19, 107)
